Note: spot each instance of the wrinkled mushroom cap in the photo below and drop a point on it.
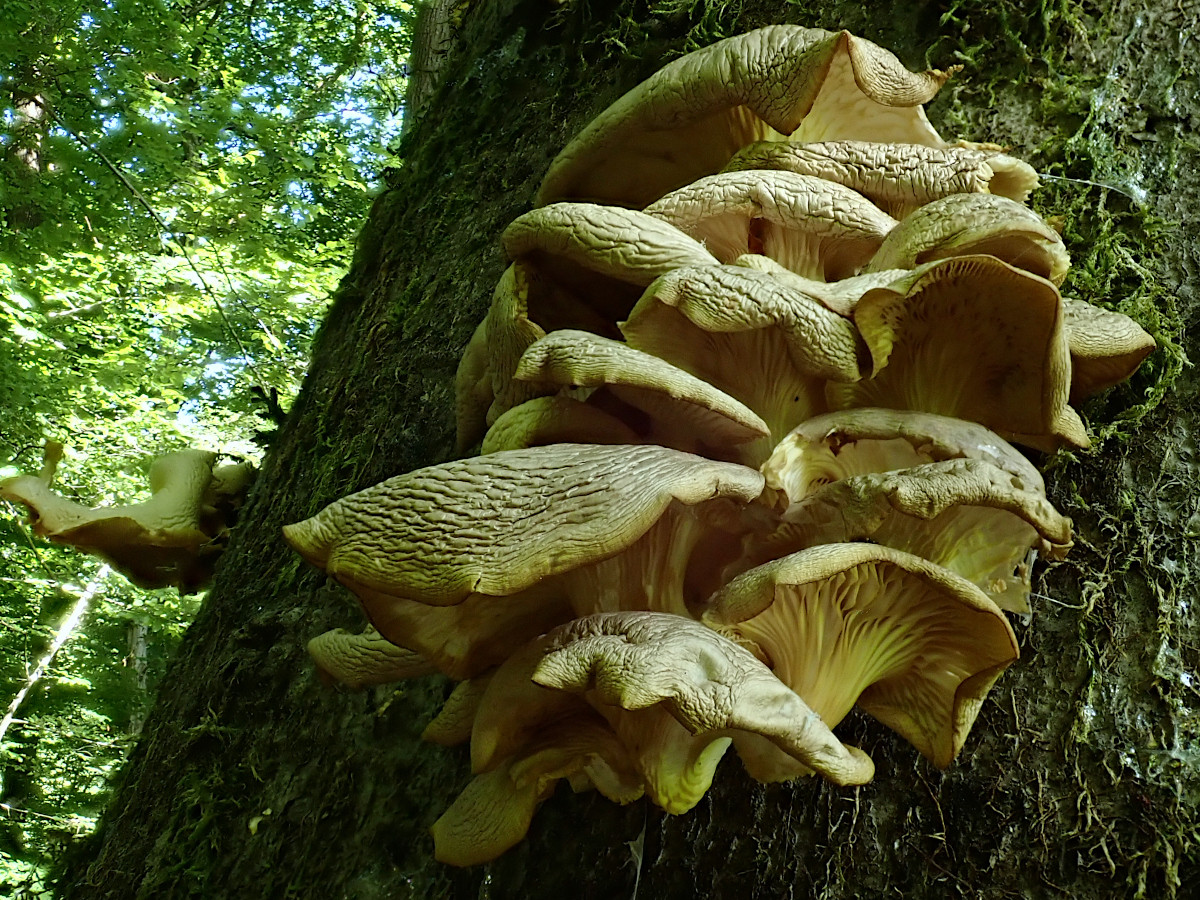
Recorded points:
(1106, 347)
(899, 177)
(970, 337)
(915, 645)
(361, 660)
(555, 420)
(692, 115)
(974, 224)
(813, 227)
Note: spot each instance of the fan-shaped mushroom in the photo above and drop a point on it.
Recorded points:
(692, 115)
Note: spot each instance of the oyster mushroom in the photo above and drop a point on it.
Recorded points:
(966, 515)
(714, 689)
(975, 224)
(460, 562)
(970, 337)
(750, 335)
(156, 543)
(813, 227)
(1106, 347)
(555, 420)
(913, 644)
(361, 660)
(690, 117)
(897, 177)
(680, 410)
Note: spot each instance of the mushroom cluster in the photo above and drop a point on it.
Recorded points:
(171, 540)
(745, 398)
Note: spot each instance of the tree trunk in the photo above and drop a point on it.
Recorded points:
(1082, 775)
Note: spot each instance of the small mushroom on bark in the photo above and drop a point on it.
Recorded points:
(975, 224)
(1106, 347)
(913, 644)
(897, 177)
(361, 660)
(555, 420)
(813, 227)
(690, 117)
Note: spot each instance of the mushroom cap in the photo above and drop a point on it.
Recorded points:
(707, 683)
(915, 645)
(750, 335)
(430, 554)
(683, 409)
(156, 543)
(1106, 347)
(507, 333)
(692, 115)
(964, 514)
(975, 224)
(473, 390)
(591, 262)
(851, 442)
(555, 420)
(361, 660)
(898, 177)
(811, 226)
(970, 337)
(455, 720)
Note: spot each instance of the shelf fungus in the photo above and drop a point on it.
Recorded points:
(171, 540)
(744, 400)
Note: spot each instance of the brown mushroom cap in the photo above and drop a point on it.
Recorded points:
(361, 660)
(967, 515)
(1106, 347)
(915, 645)
(970, 337)
(750, 335)
(898, 177)
(975, 224)
(813, 227)
(691, 116)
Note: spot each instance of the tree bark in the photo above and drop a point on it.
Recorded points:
(1082, 775)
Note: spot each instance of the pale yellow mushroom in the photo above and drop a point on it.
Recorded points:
(690, 117)
(364, 659)
(898, 177)
(813, 227)
(1106, 347)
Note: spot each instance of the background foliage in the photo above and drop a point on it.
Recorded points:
(179, 187)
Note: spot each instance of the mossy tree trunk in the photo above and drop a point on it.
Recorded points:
(1082, 776)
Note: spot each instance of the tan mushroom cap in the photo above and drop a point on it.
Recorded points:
(690, 117)
(495, 809)
(455, 720)
(685, 412)
(1106, 347)
(913, 644)
(973, 224)
(507, 333)
(591, 262)
(555, 420)
(813, 227)
(156, 543)
(761, 341)
(966, 515)
(970, 337)
(643, 661)
(430, 554)
(361, 660)
(898, 177)
(838, 296)
(473, 390)
(851, 442)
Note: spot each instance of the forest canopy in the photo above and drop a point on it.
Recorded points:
(180, 185)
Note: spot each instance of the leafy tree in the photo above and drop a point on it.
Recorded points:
(180, 183)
